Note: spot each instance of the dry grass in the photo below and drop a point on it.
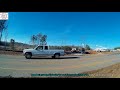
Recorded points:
(108, 72)
(10, 53)
(92, 52)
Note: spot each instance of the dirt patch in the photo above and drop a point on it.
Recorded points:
(11, 52)
(108, 72)
(92, 52)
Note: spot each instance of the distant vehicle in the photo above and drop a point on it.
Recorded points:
(42, 51)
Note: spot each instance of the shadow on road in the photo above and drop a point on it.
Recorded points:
(54, 58)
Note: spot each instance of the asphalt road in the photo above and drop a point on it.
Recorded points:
(18, 66)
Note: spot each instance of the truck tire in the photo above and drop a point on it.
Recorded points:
(28, 55)
(57, 55)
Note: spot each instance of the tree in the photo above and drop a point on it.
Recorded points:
(39, 36)
(87, 47)
(12, 44)
(6, 35)
(33, 39)
(39, 39)
(3, 26)
(116, 48)
(43, 40)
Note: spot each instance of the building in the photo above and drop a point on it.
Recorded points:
(73, 49)
(101, 49)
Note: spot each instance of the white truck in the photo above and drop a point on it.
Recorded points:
(42, 51)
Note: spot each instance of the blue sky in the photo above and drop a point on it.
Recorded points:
(67, 28)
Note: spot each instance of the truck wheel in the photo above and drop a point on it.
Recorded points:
(57, 56)
(28, 55)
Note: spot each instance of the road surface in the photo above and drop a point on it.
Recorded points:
(18, 66)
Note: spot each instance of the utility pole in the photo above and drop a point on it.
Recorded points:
(83, 44)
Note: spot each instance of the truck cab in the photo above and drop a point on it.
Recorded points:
(42, 48)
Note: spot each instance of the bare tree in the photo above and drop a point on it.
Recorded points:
(39, 39)
(44, 40)
(39, 36)
(33, 39)
(3, 26)
(6, 35)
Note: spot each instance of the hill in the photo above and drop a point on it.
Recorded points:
(18, 46)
